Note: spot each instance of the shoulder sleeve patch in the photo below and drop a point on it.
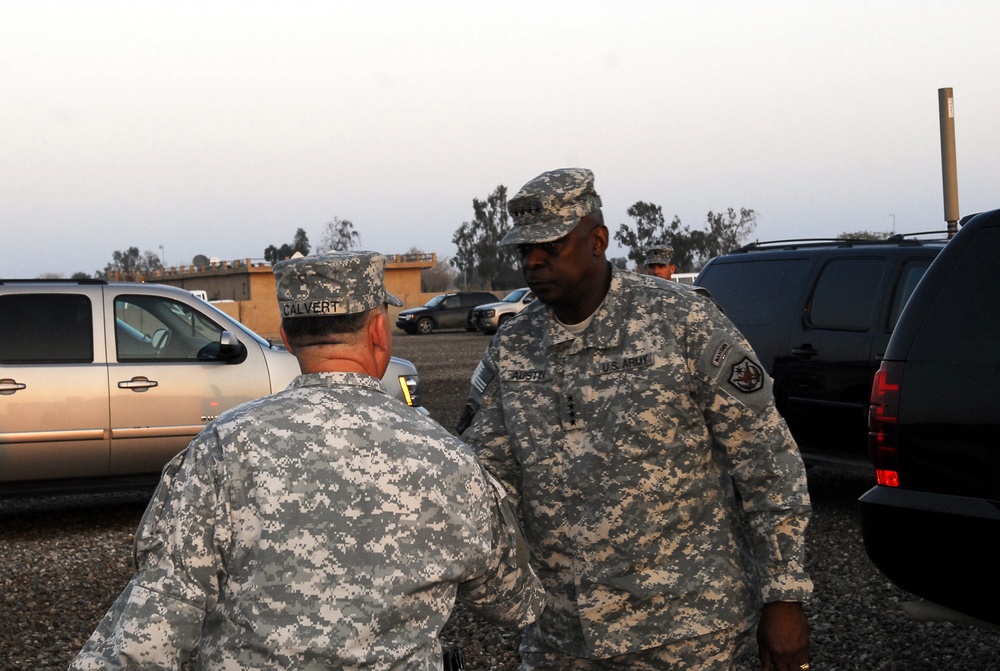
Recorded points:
(734, 370)
(747, 376)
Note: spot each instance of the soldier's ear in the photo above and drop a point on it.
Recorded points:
(380, 338)
(377, 332)
(600, 240)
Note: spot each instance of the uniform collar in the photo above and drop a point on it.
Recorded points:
(604, 331)
(337, 379)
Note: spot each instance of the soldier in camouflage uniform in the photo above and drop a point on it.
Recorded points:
(659, 262)
(663, 497)
(327, 526)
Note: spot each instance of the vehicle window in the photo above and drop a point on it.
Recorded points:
(472, 300)
(156, 328)
(751, 292)
(845, 294)
(964, 321)
(515, 296)
(46, 328)
(913, 270)
(452, 302)
(434, 302)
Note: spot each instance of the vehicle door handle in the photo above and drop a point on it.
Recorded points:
(138, 383)
(805, 351)
(9, 386)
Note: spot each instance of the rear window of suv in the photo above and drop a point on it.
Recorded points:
(966, 314)
(46, 328)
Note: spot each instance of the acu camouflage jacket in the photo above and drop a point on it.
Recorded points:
(626, 447)
(326, 526)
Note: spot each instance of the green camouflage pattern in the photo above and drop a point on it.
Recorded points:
(337, 283)
(325, 527)
(624, 448)
(549, 206)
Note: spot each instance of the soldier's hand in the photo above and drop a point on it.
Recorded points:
(783, 637)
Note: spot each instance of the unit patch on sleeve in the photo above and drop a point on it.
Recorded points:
(746, 376)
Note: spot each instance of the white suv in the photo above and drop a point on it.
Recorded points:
(490, 316)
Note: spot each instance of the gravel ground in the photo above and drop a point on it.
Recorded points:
(64, 560)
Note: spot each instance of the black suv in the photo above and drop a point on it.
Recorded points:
(819, 315)
(932, 521)
(444, 311)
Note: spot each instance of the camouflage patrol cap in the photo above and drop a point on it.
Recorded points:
(551, 205)
(338, 283)
(659, 256)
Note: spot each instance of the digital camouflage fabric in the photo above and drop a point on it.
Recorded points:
(623, 446)
(325, 527)
(658, 256)
(336, 283)
(551, 205)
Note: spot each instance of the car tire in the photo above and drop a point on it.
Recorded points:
(425, 326)
(503, 319)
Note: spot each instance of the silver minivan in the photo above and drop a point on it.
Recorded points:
(111, 380)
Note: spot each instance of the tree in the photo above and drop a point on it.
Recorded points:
(726, 232)
(650, 230)
(438, 279)
(300, 244)
(339, 235)
(480, 255)
(691, 248)
(864, 235)
(130, 266)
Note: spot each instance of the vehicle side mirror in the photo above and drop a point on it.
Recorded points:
(230, 348)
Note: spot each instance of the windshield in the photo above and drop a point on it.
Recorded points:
(515, 296)
(434, 302)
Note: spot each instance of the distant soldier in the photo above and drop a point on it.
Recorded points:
(663, 497)
(327, 526)
(659, 261)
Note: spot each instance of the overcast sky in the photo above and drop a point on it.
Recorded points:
(219, 128)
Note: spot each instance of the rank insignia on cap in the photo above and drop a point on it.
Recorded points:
(747, 376)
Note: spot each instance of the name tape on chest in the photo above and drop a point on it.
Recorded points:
(618, 364)
(625, 363)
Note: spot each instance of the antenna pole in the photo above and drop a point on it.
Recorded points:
(949, 171)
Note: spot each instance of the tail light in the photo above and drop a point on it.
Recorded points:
(883, 423)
